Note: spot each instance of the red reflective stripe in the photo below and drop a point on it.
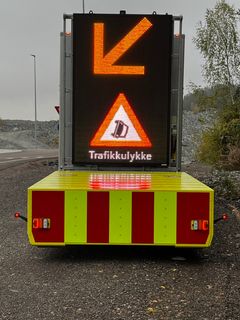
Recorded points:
(98, 217)
(191, 206)
(142, 217)
(48, 204)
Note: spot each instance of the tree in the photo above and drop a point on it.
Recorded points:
(216, 97)
(219, 42)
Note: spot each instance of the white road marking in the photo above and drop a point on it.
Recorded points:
(30, 155)
(9, 150)
(11, 160)
(22, 158)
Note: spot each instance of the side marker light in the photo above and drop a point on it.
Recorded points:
(18, 215)
(224, 217)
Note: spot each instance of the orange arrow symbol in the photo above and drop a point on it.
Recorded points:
(105, 64)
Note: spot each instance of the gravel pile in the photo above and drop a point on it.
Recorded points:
(19, 134)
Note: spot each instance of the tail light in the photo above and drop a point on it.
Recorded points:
(41, 223)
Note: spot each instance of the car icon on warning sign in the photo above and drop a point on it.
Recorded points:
(121, 129)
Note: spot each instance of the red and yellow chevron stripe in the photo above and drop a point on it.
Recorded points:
(120, 209)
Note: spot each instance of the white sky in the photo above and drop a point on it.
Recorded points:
(33, 26)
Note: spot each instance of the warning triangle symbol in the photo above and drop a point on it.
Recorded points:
(120, 128)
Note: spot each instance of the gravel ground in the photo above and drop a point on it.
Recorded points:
(112, 282)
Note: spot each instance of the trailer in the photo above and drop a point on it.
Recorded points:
(119, 180)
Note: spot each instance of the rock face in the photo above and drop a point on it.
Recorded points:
(194, 124)
(19, 134)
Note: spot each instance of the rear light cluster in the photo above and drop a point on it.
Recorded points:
(199, 225)
(41, 223)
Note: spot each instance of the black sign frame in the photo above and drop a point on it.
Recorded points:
(149, 95)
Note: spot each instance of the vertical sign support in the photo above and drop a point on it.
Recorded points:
(83, 6)
(180, 96)
(65, 115)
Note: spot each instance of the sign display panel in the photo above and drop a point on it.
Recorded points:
(121, 89)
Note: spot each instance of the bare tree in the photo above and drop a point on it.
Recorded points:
(218, 40)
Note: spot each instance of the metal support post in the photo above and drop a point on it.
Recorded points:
(35, 96)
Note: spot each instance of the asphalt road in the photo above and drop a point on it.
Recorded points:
(10, 158)
(111, 282)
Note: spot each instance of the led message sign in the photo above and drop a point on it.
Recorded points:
(121, 89)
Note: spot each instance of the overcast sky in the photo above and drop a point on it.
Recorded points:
(33, 27)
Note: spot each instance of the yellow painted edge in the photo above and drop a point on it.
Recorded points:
(211, 218)
(55, 244)
(57, 178)
(29, 217)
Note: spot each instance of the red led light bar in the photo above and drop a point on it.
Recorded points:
(120, 181)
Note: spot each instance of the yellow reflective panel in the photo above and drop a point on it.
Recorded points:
(120, 217)
(75, 226)
(149, 181)
(165, 217)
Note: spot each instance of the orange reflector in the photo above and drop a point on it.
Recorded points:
(204, 225)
